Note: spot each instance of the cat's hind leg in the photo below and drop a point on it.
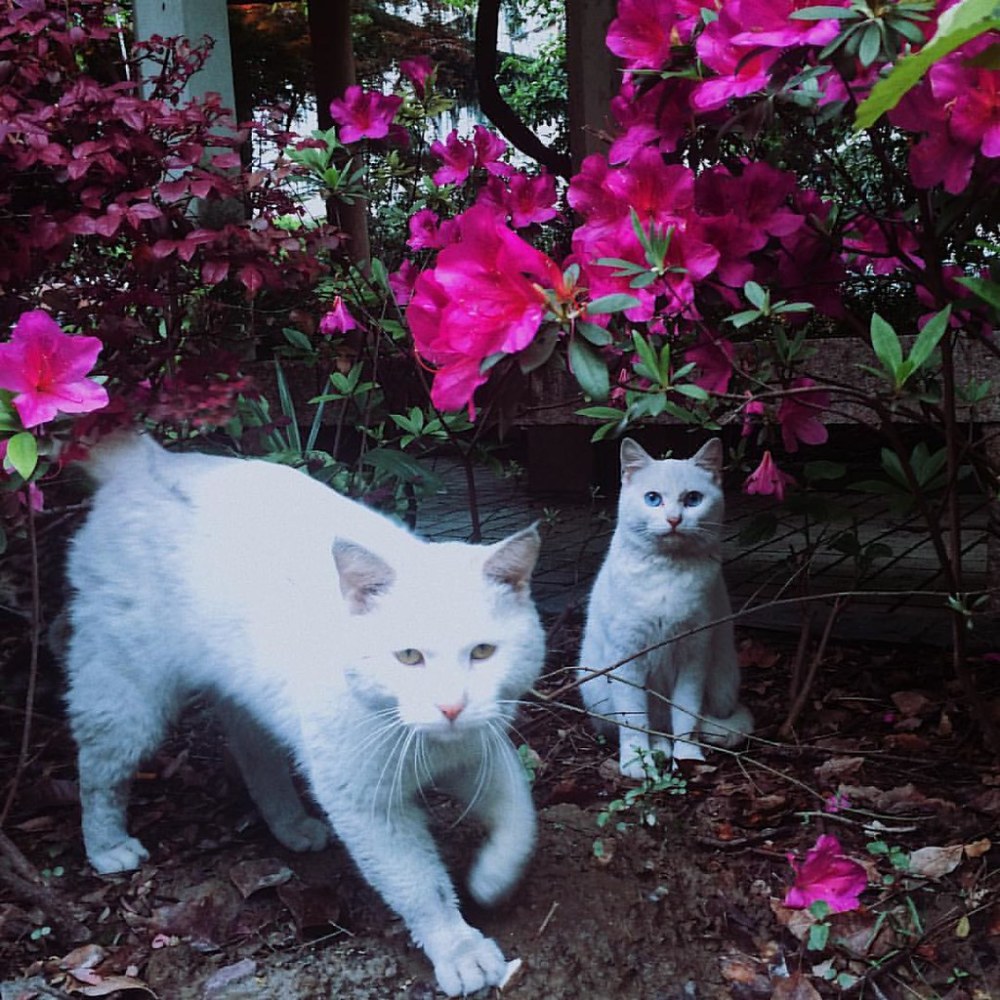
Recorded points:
(264, 764)
(117, 723)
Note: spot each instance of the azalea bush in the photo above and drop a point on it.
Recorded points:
(743, 255)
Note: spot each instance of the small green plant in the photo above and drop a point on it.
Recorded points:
(530, 761)
(637, 807)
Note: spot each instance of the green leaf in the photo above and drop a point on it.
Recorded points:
(691, 390)
(539, 350)
(816, 471)
(593, 333)
(611, 304)
(755, 295)
(886, 345)
(741, 319)
(589, 369)
(22, 453)
(298, 339)
(647, 357)
(929, 338)
(871, 44)
(968, 19)
(823, 14)
(988, 291)
(601, 413)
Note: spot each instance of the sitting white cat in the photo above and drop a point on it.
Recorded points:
(385, 664)
(660, 603)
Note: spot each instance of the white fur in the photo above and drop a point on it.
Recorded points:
(199, 573)
(662, 578)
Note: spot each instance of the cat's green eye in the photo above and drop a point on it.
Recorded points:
(409, 657)
(693, 498)
(482, 652)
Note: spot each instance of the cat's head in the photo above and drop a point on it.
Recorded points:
(673, 505)
(445, 636)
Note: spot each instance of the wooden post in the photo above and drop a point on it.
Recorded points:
(594, 75)
(333, 58)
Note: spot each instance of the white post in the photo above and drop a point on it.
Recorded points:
(193, 19)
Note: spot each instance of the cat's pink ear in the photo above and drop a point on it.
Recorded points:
(363, 575)
(633, 458)
(709, 458)
(512, 562)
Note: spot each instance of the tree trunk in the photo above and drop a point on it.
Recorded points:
(594, 76)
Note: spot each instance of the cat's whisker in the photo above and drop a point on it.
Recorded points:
(485, 766)
(391, 757)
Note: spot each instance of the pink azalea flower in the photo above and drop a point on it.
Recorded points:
(458, 157)
(47, 369)
(531, 199)
(769, 22)
(799, 415)
(364, 114)
(752, 411)
(656, 116)
(645, 31)
(768, 480)
(826, 875)
(403, 281)
(338, 319)
(489, 148)
(419, 72)
(485, 295)
(428, 232)
(714, 358)
(742, 69)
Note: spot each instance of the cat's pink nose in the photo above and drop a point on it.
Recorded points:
(673, 521)
(452, 712)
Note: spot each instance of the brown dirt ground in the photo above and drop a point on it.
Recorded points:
(688, 907)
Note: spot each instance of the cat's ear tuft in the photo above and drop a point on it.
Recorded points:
(512, 562)
(363, 575)
(709, 457)
(633, 458)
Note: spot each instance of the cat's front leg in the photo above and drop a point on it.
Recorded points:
(396, 854)
(631, 714)
(685, 711)
(502, 802)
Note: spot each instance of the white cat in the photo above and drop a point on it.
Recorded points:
(383, 663)
(662, 578)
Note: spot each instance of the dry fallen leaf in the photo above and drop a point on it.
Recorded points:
(794, 987)
(935, 862)
(977, 848)
(910, 702)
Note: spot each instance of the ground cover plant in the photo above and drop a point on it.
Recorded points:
(784, 182)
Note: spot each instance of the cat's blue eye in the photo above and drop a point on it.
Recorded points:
(482, 652)
(409, 657)
(693, 498)
(653, 499)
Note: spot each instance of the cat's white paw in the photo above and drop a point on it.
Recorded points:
(123, 857)
(687, 751)
(301, 834)
(491, 878)
(630, 762)
(469, 964)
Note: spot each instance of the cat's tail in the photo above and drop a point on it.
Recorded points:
(730, 731)
(123, 453)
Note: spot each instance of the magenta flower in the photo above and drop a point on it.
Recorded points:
(402, 282)
(714, 358)
(485, 295)
(769, 22)
(768, 480)
(47, 369)
(419, 72)
(799, 415)
(457, 156)
(489, 148)
(826, 875)
(531, 199)
(338, 319)
(363, 114)
(645, 31)
(428, 232)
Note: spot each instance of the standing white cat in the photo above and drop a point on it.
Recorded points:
(662, 578)
(383, 663)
